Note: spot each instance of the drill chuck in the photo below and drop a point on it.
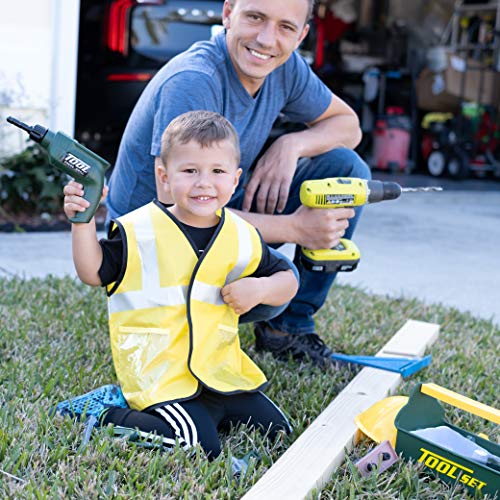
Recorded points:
(382, 191)
(36, 133)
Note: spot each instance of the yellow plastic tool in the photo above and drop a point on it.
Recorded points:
(462, 402)
(377, 422)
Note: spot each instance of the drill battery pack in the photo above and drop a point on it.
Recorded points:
(344, 257)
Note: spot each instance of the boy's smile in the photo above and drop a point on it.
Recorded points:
(200, 180)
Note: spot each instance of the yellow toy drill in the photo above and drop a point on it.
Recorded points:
(344, 192)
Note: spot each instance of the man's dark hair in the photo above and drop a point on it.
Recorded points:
(203, 127)
(310, 10)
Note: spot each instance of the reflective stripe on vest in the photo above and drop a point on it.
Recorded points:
(244, 251)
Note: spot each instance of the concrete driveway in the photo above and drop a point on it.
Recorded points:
(437, 247)
(441, 248)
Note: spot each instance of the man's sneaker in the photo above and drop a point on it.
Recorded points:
(93, 403)
(298, 346)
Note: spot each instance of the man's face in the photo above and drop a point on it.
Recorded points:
(261, 35)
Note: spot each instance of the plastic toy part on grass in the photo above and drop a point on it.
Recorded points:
(92, 403)
(377, 460)
(423, 434)
(404, 366)
(377, 422)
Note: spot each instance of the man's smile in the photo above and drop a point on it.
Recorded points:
(259, 55)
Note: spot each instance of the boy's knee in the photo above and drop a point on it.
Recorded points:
(275, 428)
(211, 447)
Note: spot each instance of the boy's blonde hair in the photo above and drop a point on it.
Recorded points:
(203, 127)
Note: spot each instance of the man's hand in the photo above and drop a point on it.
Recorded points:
(272, 178)
(242, 295)
(317, 228)
(73, 198)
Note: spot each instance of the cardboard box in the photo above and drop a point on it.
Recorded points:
(480, 84)
(432, 94)
(443, 91)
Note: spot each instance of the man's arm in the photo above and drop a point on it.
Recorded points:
(313, 228)
(270, 183)
(337, 127)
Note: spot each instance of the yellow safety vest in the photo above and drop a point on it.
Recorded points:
(170, 329)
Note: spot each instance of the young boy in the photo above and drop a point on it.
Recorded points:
(178, 277)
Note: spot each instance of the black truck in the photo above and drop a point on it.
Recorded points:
(122, 44)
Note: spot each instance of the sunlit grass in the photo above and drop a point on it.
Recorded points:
(54, 345)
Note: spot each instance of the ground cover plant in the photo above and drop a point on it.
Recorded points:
(54, 345)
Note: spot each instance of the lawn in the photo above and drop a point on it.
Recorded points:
(54, 345)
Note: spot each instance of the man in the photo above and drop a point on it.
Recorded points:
(251, 73)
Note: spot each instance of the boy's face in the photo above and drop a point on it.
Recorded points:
(261, 35)
(199, 180)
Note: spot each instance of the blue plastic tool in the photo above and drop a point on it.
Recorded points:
(404, 366)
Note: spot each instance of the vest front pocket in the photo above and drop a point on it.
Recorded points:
(227, 335)
(142, 355)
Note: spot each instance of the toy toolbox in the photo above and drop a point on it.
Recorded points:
(423, 410)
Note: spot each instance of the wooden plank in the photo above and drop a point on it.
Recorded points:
(311, 460)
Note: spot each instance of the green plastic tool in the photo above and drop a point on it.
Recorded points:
(450, 460)
(74, 159)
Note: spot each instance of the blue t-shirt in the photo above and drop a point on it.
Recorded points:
(204, 77)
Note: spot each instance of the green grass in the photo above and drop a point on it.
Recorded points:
(54, 345)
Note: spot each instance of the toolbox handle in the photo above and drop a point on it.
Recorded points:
(462, 402)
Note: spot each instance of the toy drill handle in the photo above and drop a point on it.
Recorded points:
(76, 160)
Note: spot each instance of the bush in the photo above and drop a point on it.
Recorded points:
(29, 184)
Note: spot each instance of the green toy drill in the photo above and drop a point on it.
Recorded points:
(76, 160)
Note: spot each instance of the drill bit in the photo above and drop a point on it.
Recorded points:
(421, 189)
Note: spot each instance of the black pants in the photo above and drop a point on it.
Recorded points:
(199, 419)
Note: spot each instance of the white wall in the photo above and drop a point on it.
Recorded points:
(65, 23)
(38, 57)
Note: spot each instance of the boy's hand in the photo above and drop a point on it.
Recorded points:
(73, 198)
(242, 295)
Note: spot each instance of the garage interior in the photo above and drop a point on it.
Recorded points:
(423, 78)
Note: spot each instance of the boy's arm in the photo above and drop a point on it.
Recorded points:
(87, 253)
(275, 290)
